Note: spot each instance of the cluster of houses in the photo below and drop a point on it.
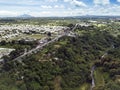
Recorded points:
(10, 31)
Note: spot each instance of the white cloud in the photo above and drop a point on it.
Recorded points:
(56, 6)
(67, 0)
(4, 13)
(52, 7)
(118, 0)
(50, 13)
(101, 2)
(79, 3)
(98, 10)
(46, 7)
(59, 6)
(76, 2)
(63, 9)
(94, 10)
(51, 0)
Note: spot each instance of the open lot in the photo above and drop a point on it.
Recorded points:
(5, 51)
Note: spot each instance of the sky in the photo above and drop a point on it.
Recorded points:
(60, 8)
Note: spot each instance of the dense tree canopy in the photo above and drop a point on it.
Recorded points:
(65, 64)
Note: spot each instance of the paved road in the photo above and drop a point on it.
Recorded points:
(39, 47)
(75, 27)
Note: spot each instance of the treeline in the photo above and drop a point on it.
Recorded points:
(20, 47)
(67, 65)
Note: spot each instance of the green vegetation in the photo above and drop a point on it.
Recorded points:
(66, 64)
(19, 46)
(39, 21)
(32, 36)
(66, 67)
(35, 36)
(85, 86)
(99, 78)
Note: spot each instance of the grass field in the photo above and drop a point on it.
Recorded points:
(36, 36)
(99, 79)
(33, 36)
(85, 86)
